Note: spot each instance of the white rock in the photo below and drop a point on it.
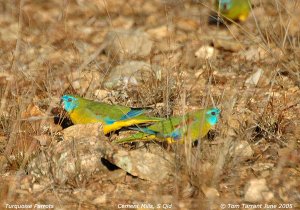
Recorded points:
(210, 192)
(81, 150)
(256, 190)
(37, 187)
(254, 78)
(241, 150)
(159, 32)
(131, 73)
(205, 52)
(101, 94)
(227, 43)
(101, 199)
(254, 54)
(258, 167)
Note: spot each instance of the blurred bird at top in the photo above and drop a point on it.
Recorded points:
(236, 10)
(113, 117)
(193, 125)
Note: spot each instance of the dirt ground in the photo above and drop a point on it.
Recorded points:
(249, 70)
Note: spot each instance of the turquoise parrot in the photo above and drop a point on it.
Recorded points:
(194, 125)
(234, 9)
(113, 117)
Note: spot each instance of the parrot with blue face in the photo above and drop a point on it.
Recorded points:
(193, 125)
(113, 117)
(234, 9)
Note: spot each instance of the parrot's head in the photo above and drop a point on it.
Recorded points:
(225, 5)
(212, 115)
(69, 102)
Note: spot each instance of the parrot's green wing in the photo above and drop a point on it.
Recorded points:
(110, 113)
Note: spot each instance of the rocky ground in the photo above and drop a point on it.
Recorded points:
(161, 54)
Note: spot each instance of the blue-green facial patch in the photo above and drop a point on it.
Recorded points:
(225, 5)
(212, 116)
(69, 102)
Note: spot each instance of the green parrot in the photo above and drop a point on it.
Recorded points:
(194, 125)
(113, 117)
(233, 9)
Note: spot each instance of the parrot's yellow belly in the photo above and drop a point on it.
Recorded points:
(79, 117)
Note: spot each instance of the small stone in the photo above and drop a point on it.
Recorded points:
(242, 150)
(144, 164)
(131, 73)
(101, 94)
(227, 44)
(37, 187)
(199, 73)
(210, 192)
(206, 167)
(256, 191)
(294, 89)
(254, 54)
(254, 78)
(159, 32)
(258, 167)
(187, 24)
(82, 131)
(234, 123)
(189, 191)
(205, 52)
(26, 182)
(100, 200)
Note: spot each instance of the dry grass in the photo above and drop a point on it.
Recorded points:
(47, 46)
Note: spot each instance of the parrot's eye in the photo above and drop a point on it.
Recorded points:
(213, 113)
(69, 99)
